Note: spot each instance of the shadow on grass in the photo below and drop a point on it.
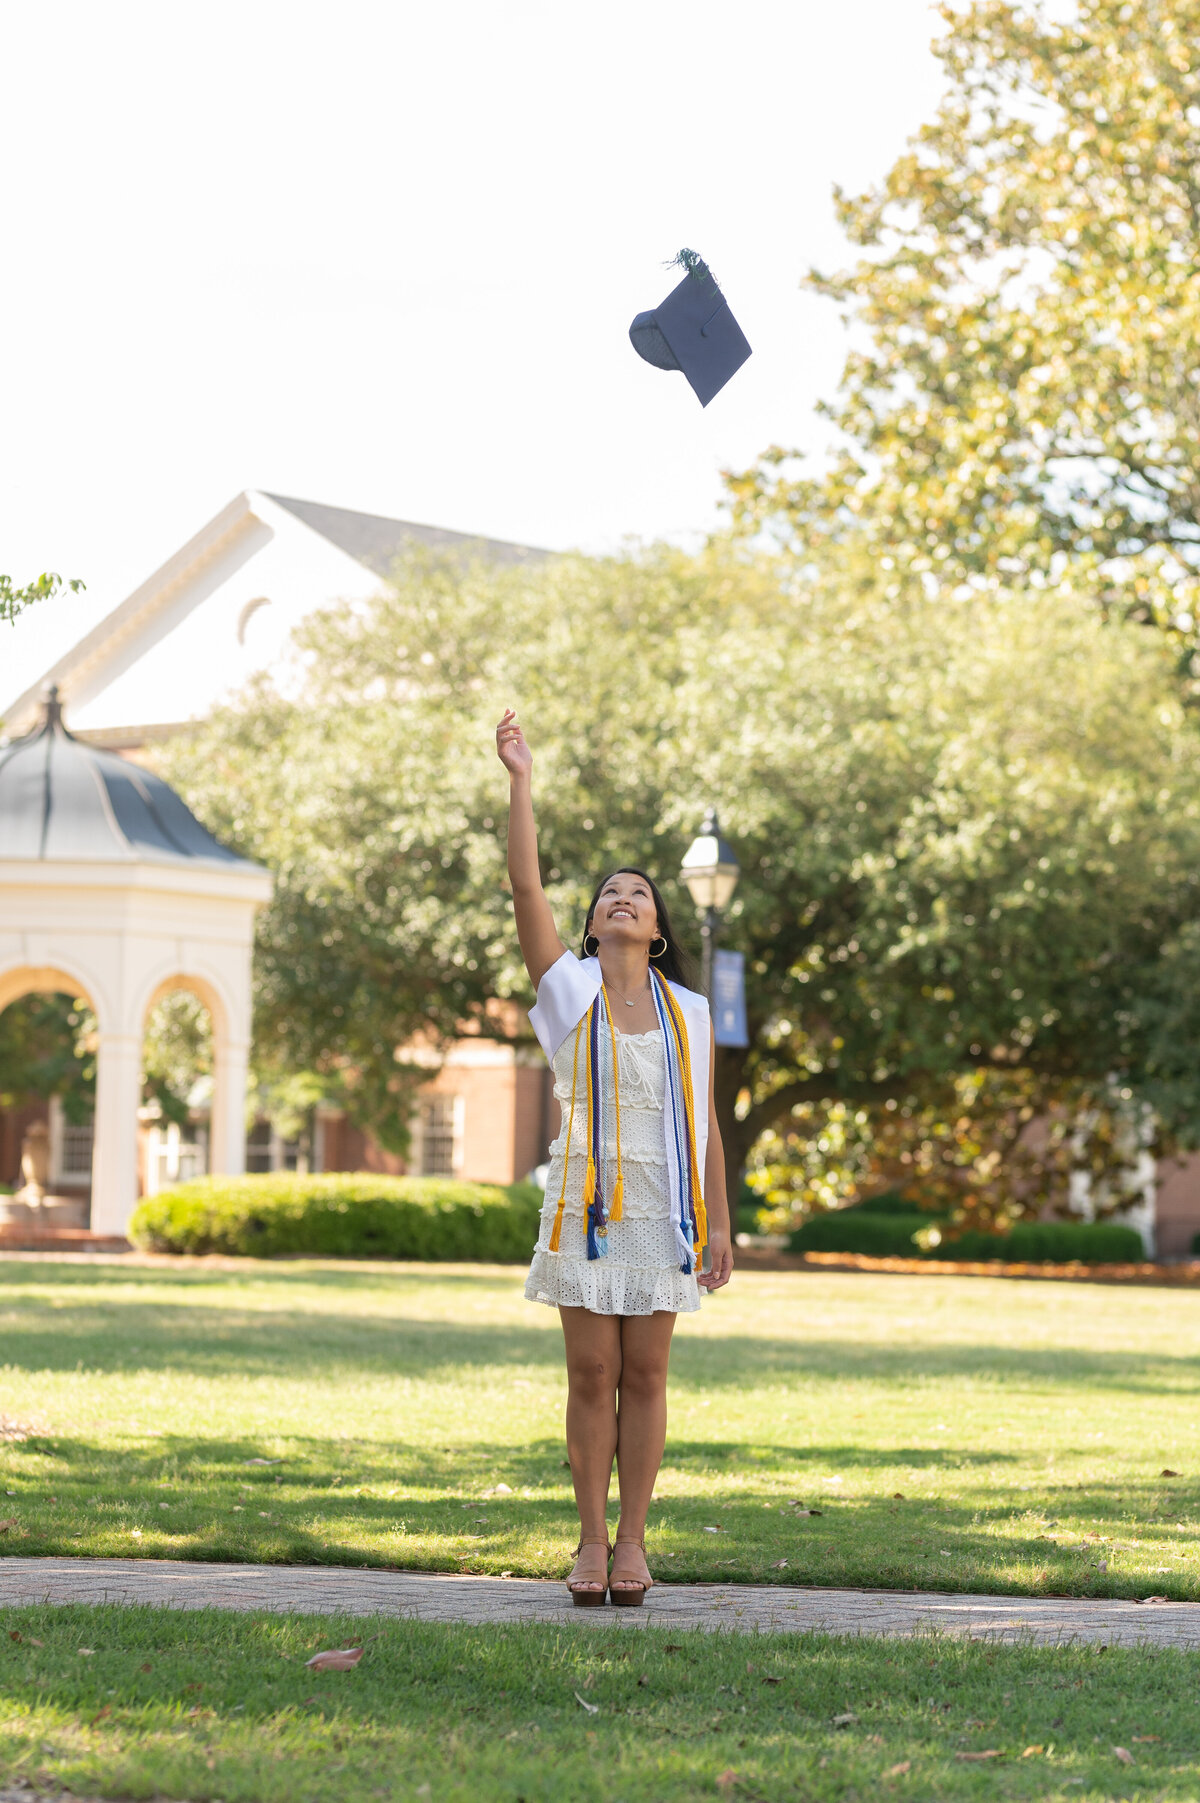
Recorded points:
(387, 1504)
(128, 1335)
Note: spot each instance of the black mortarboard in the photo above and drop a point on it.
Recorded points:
(693, 330)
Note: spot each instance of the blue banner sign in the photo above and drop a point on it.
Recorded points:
(729, 999)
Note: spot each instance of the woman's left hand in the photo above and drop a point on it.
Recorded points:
(722, 1262)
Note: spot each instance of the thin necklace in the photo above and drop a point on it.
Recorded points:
(637, 997)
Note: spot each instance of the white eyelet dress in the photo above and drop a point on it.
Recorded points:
(639, 1273)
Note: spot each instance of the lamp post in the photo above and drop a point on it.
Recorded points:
(710, 871)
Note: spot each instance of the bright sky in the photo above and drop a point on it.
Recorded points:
(385, 256)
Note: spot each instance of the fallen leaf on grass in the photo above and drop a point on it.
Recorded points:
(988, 1753)
(100, 1715)
(342, 1659)
(147, 1667)
(262, 1461)
(10, 1521)
(779, 1565)
(14, 1634)
(86, 1652)
(726, 1780)
(713, 1530)
(768, 1679)
(643, 1680)
(898, 1496)
(1124, 1755)
(1030, 1751)
(898, 1771)
(1149, 1599)
(673, 1647)
(1145, 1737)
(1167, 1472)
(844, 1721)
(592, 1708)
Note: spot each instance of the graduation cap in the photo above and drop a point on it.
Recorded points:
(693, 330)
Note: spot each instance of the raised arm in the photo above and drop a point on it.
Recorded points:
(540, 944)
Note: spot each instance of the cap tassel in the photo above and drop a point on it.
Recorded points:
(618, 1196)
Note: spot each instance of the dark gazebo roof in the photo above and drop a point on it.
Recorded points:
(61, 798)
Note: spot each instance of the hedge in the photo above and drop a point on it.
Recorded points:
(1029, 1242)
(342, 1215)
(854, 1230)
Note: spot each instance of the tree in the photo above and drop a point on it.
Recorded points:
(1022, 399)
(48, 1048)
(14, 600)
(969, 833)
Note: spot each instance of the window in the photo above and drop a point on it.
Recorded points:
(70, 1148)
(258, 1147)
(175, 1155)
(266, 1151)
(75, 1156)
(438, 1135)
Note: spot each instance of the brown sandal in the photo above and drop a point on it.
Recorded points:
(634, 1595)
(590, 1599)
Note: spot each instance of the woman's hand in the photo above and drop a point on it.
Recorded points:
(722, 1261)
(511, 748)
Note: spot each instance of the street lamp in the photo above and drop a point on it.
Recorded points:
(710, 871)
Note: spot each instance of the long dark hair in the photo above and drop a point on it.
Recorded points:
(674, 963)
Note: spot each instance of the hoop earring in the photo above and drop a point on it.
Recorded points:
(663, 952)
(586, 937)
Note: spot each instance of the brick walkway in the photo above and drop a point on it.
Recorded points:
(748, 1609)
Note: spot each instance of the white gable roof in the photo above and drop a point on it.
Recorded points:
(222, 608)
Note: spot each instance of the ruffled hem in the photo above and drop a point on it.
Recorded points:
(631, 1210)
(603, 1288)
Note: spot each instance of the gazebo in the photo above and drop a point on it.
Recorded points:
(111, 889)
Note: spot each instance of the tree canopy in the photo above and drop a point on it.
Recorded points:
(969, 834)
(1022, 396)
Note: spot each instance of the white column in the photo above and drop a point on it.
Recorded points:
(114, 1159)
(227, 1142)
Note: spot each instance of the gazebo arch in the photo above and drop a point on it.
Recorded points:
(111, 888)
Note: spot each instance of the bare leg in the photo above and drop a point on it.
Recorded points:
(641, 1434)
(593, 1344)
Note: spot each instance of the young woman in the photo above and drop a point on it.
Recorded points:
(635, 1221)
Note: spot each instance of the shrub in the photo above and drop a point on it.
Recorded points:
(341, 1215)
(857, 1230)
(1051, 1243)
(1029, 1242)
(894, 1202)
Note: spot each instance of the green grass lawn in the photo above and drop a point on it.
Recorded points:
(954, 1433)
(217, 1705)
